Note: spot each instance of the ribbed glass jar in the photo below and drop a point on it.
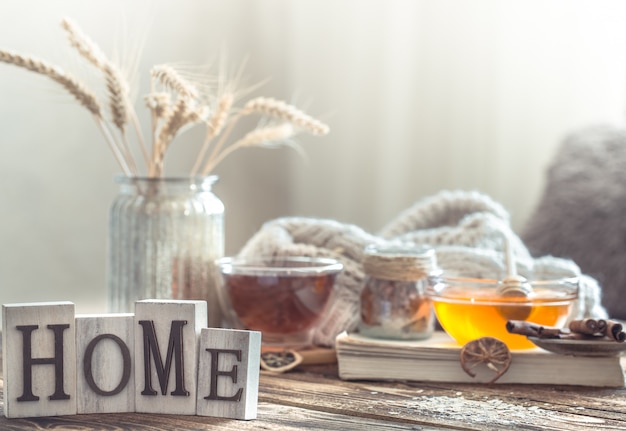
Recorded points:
(164, 236)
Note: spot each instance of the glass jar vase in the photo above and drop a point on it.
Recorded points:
(164, 237)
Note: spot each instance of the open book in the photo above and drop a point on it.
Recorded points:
(438, 360)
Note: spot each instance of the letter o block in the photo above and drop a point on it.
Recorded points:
(105, 368)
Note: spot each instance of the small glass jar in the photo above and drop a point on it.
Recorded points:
(394, 304)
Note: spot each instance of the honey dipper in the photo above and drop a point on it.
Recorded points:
(513, 286)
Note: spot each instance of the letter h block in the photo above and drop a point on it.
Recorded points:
(166, 355)
(228, 376)
(39, 359)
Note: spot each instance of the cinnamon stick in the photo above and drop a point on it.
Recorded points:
(578, 336)
(550, 332)
(532, 329)
(584, 329)
(615, 331)
(523, 328)
(584, 326)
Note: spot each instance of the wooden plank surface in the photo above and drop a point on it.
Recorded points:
(271, 417)
(471, 407)
(314, 398)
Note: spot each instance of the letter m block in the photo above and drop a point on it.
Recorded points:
(166, 355)
(39, 359)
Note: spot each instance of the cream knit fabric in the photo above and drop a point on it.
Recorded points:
(465, 228)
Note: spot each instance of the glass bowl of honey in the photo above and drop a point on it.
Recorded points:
(470, 308)
(283, 297)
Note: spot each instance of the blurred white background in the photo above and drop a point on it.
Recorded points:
(420, 96)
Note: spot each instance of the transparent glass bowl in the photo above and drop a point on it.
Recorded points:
(283, 297)
(469, 308)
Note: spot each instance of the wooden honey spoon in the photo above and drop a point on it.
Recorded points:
(513, 286)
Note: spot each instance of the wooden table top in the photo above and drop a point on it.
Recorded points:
(315, 398)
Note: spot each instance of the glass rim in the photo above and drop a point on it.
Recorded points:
(480, 290)
(198, 179)
(259, 265)
(492, 282)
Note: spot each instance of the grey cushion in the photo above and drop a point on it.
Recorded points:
(582, 213)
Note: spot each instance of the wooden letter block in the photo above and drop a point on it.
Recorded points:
(228, 376)
(105, 369)
(39, 359)
(166, 355)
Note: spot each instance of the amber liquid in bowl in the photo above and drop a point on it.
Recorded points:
(466, 320)
(278, 304)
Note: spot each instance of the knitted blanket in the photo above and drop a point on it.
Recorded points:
(465, 228)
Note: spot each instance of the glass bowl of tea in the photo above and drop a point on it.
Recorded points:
(470, 308)
(283, 297)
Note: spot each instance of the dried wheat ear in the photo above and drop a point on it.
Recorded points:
(175, 103)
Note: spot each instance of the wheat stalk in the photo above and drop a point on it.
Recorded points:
(214, 128)
(183, 114)
(257, 137)
(171, 79)
(265, 135)
(159, 106)
(85, 97)
(272, 108)
(118, 96)
(179, 105)
(283, 111)
(158, 103)
(173, 122)
(71, 84)
(116, 84)
(218, 119)
(117, 152)
(119, 105)
(83, 44)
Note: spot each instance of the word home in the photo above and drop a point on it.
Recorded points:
(161, 359)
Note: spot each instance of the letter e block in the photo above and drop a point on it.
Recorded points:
(39, 359)
(105, 376)
(167, 333)
(228, 375)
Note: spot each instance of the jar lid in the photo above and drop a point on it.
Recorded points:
(399, 262)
